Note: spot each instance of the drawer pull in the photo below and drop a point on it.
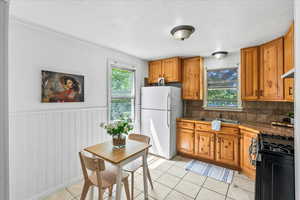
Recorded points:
(290, 91)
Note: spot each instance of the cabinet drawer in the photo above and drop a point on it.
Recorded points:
(203, 127)
(224, 129)
(186, 125)
(229, 130)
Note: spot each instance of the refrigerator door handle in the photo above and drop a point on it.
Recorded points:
(168, 120)
(168, 102)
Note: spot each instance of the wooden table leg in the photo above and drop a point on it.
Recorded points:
(145, 175)
(118, 182)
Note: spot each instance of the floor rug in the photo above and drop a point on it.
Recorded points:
(210, 170)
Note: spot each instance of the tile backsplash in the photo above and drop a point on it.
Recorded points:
(262, 112)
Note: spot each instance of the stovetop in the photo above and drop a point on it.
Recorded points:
(276, 144)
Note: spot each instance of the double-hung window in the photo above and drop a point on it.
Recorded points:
(122, 93)
(222, 89)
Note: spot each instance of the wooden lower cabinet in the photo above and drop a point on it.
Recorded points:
(185, 141)
(227, 149)
(205, 145)
(246, 140)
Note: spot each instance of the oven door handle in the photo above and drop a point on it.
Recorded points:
(253, 151)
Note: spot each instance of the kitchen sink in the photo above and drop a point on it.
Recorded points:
(221, 119)
(228, 121)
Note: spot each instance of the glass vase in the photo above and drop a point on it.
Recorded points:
(119, 141)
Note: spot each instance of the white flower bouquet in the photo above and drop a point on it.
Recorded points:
(118, 127)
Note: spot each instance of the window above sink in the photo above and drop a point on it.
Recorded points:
(222, 89)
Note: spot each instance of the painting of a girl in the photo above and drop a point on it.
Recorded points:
(61, 87)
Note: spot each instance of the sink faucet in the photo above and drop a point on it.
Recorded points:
(220, 116)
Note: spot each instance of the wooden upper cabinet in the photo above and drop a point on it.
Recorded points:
(249, 73)
(248, 137)
(171, 69)
(205, 145)
(155, 71)
(227, 149)
(185, 140)
(192, 79)
(289, 63)
(271, 69)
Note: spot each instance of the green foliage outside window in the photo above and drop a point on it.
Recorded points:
(122, 93)
(122, 82)
(222, 88)
(222, 98)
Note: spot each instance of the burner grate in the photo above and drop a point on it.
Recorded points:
(278, 144)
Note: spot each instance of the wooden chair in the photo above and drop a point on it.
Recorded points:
(136, 164)
(100, 177)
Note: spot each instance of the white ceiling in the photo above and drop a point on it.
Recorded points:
(142, 27)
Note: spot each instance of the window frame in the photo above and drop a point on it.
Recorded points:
(124, 66)
(239, 99)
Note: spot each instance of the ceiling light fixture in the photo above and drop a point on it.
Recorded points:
(182, 32)
(219, 54)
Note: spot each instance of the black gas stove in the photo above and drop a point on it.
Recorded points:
(276, 144)
(275, 170)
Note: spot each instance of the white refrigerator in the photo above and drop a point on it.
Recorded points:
(161, 105)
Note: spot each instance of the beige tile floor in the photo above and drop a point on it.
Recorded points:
(172, 182)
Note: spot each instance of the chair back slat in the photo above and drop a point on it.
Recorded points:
(139, 138)
(93, 164)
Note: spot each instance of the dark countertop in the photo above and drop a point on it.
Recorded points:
(260, 127)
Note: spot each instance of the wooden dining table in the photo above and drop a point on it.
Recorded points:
(121, 157)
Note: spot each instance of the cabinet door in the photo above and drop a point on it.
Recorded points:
(249, 73)
(185, 141)
(205, 145)
(192, 83)
(271, 69)
(246, 140)
(171, 69)
(155, 71)
(289, 63)
(227, 147)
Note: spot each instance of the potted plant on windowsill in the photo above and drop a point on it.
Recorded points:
(118, 129)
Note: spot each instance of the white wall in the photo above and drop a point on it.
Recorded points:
(297, 96)
(46, 137)
(232, 60)
(4, 168)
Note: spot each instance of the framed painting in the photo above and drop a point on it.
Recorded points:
(62, 87)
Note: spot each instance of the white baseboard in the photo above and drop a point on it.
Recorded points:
(54, 189)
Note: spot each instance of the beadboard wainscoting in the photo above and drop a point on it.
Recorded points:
(44, 148)
(45, 138)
